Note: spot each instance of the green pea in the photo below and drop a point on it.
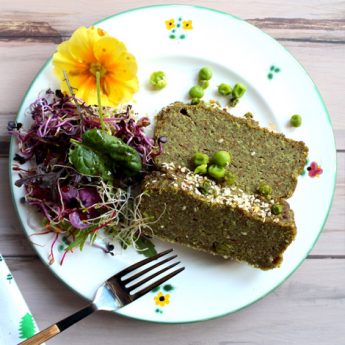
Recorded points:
(158, 80)
(224, 89)
(196, 92)
(222, 158)
(277, 209)
(216, 171)
(230, 178)
(200, 158)
(238, 90)
(195, 101)
(201, 169)
(265, 189)
(205, 73)
(296, 120)
(204, 84)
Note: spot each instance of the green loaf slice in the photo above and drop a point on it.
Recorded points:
(194, 211)
(258, 154)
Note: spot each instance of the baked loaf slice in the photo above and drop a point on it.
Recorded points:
(258, 155)
(194, 211)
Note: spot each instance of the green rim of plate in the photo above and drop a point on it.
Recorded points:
(12, 148)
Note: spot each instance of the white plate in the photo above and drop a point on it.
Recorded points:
(277, 88)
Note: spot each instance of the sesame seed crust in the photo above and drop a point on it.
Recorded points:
(216, 193)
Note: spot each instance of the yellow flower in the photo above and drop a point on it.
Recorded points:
(187, 25)
(170, 24)
(161, 299)
(90, 50)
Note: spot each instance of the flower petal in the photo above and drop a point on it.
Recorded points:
(108, 48)
(81, 45)
(119, 91)
(92, 47)
(124, 68)
(87, 90)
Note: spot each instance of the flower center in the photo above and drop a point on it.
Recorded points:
(97, 67)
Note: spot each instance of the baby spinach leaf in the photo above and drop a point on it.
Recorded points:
(145, 246)
(124, 157)
(88, 162)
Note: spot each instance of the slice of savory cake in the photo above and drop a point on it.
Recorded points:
(193, 210)
(258, 155)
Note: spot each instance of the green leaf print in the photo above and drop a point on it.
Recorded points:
(27, 327)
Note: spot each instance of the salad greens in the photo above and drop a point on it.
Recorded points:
(81, 178)
(89, 162)
(122, 156)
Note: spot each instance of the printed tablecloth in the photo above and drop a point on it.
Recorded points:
(16, 321)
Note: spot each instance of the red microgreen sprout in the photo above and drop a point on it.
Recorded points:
(58, 191)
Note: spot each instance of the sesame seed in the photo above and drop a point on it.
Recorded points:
(272, 127)
(233, 196)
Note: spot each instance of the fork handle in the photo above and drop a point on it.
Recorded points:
(60, 326)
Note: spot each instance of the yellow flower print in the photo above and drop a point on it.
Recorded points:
(161, 299)
(92, 50)
(170, 24)
(187, 25)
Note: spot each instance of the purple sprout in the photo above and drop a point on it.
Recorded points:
(51, 184)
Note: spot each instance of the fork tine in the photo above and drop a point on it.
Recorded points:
(141, 263)
(156, 274)
(139, 274)
(155, 284)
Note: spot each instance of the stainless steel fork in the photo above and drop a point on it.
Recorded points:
(115, 293)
